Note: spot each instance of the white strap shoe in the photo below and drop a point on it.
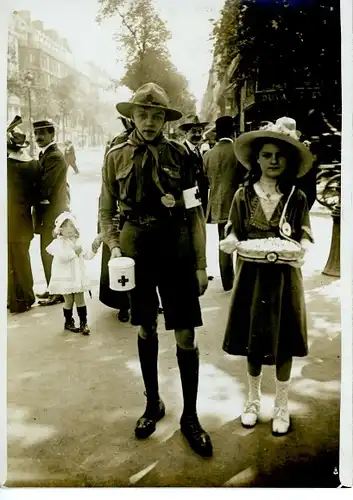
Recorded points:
(250, 413)
(281, 421)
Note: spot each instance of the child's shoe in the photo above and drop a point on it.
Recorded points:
(281, 421)
(82, 314)
(250, 413)
(281, 418)
(69, 321)
(252, 407)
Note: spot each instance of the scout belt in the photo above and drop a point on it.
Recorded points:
(154, 221)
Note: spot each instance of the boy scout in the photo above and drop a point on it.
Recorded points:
(151, 179)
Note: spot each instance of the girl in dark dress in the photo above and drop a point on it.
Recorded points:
(22, 177)
(267, 318)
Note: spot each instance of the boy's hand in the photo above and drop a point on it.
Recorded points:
(202, 280)
(115, 253)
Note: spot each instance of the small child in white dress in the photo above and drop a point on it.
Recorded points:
(68, 273)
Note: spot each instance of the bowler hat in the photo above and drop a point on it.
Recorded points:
(225, 123)
(283, 130)
(43, 124)
(149, 95)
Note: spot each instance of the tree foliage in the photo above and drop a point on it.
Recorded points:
(286, 43)
(143, 37)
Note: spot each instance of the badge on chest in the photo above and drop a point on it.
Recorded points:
(168, 200)
(192, 197)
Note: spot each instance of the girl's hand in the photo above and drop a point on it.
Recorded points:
(78, 249)
(96, 244)
(229, 244)
(299, 263)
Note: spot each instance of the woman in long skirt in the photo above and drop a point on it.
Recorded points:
(22, 177)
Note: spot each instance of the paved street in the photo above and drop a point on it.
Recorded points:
(73, 401)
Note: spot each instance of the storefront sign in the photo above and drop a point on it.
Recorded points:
(283, 95)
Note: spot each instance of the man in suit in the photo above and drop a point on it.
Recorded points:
(70, 156)
(53, 196)
(225, 175)
(193, 129)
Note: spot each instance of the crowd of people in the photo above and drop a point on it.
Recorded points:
(157, 195)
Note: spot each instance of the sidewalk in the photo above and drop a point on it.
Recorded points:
(73, 401)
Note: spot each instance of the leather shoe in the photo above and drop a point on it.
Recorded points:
(53, 299)
(44, 295)
(146, 425)
(123, 315)
(197, 438)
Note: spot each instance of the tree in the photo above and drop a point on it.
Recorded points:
(18, 84)
(286, 43)
(64, 95)
(143, 38)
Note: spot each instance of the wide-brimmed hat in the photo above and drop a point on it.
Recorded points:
(15, 137)
(149, 95)
(190, 122)
(285, 129)
(62, 218)
(42, 124)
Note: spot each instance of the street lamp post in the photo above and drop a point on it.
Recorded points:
(29, 81)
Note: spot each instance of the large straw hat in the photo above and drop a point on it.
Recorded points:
(285, 129)
(149, 95)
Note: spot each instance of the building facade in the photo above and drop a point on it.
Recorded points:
(41, 66)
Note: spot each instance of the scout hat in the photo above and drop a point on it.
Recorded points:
(43, 124)
(149, 95)
(61, 219)
(192, 121)
(15, 137)
(285, 129)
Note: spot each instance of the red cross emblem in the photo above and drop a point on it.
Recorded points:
(123, 280)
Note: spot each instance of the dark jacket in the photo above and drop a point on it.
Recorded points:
(225, 175)
(22, 185)
(201, 178)
(53, 187)
(307, 184)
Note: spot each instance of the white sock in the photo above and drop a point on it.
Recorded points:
(281, 400)
(254, 387)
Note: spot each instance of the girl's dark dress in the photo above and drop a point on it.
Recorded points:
(267, 317)
(22, 182)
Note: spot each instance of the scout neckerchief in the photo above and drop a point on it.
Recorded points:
(150, 154)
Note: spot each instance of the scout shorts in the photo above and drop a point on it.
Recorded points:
(164, 259)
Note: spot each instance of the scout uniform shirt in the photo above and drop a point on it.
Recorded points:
(147, 180)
